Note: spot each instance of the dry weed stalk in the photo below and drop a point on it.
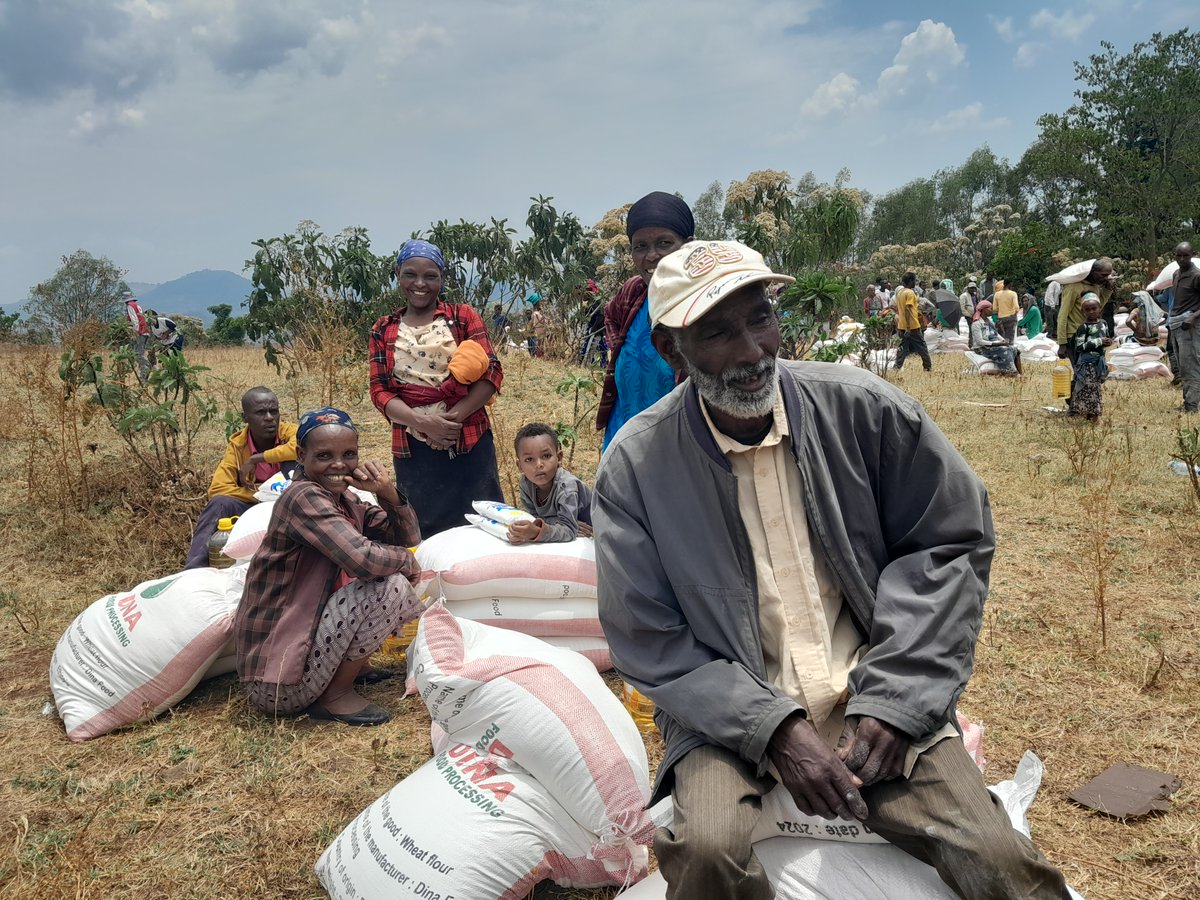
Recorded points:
(49, 423)
(1100, 554)
(1082, 442)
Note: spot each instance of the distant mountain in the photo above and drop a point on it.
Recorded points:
(140, 287)
(192, 294)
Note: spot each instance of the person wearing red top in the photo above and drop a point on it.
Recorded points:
(443, 449)
(141, 333)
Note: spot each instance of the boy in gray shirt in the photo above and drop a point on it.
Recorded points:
(561, 502)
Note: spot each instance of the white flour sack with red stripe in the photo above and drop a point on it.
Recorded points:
(555, 715)
(468, 824)
(538, 589)
(131, 655)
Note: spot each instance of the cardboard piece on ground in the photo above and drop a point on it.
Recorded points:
(1126, 791)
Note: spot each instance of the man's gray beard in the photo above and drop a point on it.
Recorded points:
(719, 394)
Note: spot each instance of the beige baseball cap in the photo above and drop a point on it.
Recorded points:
(692, 280)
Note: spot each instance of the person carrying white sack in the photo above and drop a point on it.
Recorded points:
(792, 561)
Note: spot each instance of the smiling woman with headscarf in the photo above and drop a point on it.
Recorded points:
(637, 377)
(433, 370)
(330, 582)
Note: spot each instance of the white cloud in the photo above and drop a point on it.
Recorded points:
(1068, 27)
(967, 117)
(399, 46)
(1004, 28)
(925, 57)
(1027, 54)
(837, 94)
(100, 122)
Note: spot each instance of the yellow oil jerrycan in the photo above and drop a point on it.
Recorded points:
(640, 707)
(1062, 380)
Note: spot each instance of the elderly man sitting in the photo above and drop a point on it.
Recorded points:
(792, 561)
(253, 455)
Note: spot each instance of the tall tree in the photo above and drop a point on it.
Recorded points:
(907, 215)
(1122, 165)
(84, 287)
(709, 212)
(481, 261)
(795, 226)
(963, 192)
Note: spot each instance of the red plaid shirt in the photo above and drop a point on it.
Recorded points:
(464, 324)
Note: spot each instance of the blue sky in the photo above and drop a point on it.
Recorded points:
(169, 135)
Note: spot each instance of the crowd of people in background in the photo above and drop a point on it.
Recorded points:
(999, 313)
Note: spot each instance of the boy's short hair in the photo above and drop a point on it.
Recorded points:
(535, 429)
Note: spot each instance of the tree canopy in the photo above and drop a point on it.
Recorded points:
(84, 287)
(1121, 167)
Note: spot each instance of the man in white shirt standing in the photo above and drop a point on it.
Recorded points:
(1050, 306)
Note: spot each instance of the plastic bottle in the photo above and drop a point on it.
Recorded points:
(1179, 467)
(640, 707)
(216, 544)
(1062, 380)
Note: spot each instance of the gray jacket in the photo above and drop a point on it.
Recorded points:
(902, 519)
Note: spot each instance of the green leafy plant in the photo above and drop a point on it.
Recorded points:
(1187, 451)
(579, 385)
(157, 419)
(812, 301)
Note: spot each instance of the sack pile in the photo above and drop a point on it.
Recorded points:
(1040, 348)
(949, 340)
(1133, 361)
(545, 590)
(539, 773)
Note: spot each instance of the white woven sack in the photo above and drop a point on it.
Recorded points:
(249, 531)
(131, 655)
(593, 649)
(466, 563)
(1073, 273)
(1165, 278)
(1151, 369)
(464, 825)
(572, 616)
(803, 868)
(555, 714)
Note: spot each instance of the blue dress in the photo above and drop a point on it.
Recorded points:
(642, 376)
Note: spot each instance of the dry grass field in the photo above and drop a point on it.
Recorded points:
(214, 801)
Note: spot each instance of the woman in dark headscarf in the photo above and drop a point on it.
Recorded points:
(637, 376)
(433, 370)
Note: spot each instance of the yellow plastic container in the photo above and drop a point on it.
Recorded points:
(217, 542)
(1061, 380)
(640, 707)
(395, 646)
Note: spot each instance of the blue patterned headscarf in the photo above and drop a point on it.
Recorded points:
(422, 249)
(326, 415)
